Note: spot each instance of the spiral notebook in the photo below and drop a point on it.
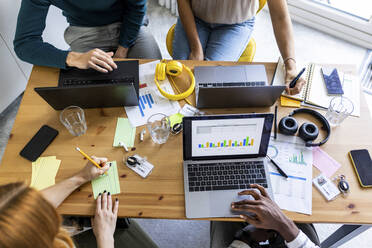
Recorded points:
(314, 91)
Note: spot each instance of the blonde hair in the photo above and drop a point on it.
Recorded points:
(28, 220)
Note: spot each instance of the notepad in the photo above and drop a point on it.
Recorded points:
(124, 133)
(314, 92)
(44, 171)
(109, 182)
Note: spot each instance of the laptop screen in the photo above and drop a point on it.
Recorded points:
(226, 136)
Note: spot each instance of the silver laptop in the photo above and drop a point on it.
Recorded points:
(234, 86)
(222, 155)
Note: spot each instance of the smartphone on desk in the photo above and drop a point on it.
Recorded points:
(37, 145)
(362, 164)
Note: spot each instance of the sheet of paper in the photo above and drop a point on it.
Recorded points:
(44, 171)
(325, 163)
(109, 182)
(295, 193)
(150, 100)
(124, 132)
(288, 102)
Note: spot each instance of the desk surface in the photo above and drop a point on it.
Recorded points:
(161, 195)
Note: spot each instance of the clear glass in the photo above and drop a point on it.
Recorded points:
(159, 128)
(339, 109)
(73, 119)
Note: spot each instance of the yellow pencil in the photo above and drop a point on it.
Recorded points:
(89, 158)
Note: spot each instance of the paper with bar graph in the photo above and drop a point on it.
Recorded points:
(295, 193)
(150, 100)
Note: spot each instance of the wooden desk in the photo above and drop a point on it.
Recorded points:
(161, 195)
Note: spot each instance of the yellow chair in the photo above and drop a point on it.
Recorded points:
(247, 55)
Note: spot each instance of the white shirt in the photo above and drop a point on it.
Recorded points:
(301, 241)
(225, 11)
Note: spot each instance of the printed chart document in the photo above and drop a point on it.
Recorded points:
(295, 193)
(150, 100)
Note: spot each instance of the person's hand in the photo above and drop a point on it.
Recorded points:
(121, 52)
(104, 221)
(90, 171)
(266, 213)
(95, 59)
(290, 74)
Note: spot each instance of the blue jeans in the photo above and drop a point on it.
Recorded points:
(224, 42)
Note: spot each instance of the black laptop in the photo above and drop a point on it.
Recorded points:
(92, 89)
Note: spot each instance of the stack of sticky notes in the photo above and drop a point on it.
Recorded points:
(124, 133)
(109, 182)
(288, 102)
(44, 171)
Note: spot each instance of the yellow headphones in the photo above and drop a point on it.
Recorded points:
(173, 68)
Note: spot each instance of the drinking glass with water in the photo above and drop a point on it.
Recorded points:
(73, 119)
(159, 128)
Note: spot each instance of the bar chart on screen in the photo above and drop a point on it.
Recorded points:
(222, 137)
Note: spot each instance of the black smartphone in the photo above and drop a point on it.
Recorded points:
(37, 145)
(363, 166)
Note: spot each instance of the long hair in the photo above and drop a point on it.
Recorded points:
(27, 220)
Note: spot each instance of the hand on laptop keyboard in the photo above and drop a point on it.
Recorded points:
(266, 213)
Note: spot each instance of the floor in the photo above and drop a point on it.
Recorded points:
(324, 49)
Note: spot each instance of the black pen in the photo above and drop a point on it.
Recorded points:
(294, 81)
(277, 166)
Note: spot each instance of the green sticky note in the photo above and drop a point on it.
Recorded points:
(174, 119)
(124, 133)
(109, 182)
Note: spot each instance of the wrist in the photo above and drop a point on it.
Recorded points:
(71, 59)
(105, 242)
(288, 230)
(79, 179)
(290, 63)
(121, 52)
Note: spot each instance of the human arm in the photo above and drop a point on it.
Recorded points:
(104, 221)
(30, 47)
(134, 12)
(264, 213)
(57, 193)
(188, 23)
(283, 31)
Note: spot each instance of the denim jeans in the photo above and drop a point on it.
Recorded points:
(224, 42)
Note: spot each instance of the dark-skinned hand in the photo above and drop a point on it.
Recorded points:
(264, 213)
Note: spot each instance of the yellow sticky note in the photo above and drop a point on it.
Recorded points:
(288, 102)
(44, 171)
(174, 119)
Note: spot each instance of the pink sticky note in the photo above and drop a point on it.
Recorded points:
(325, 163)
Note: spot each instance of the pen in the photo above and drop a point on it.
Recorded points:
(89, 158)
(275, 120)
(294, 81)
(277, 166)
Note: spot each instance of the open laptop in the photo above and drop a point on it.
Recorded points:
(234, 86)
(222, 155)
(92, 89)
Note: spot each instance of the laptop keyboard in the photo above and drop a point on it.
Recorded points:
(232, 84)
(226, 176)
(80, 82)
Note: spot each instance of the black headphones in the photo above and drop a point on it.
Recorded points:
(308, 131)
